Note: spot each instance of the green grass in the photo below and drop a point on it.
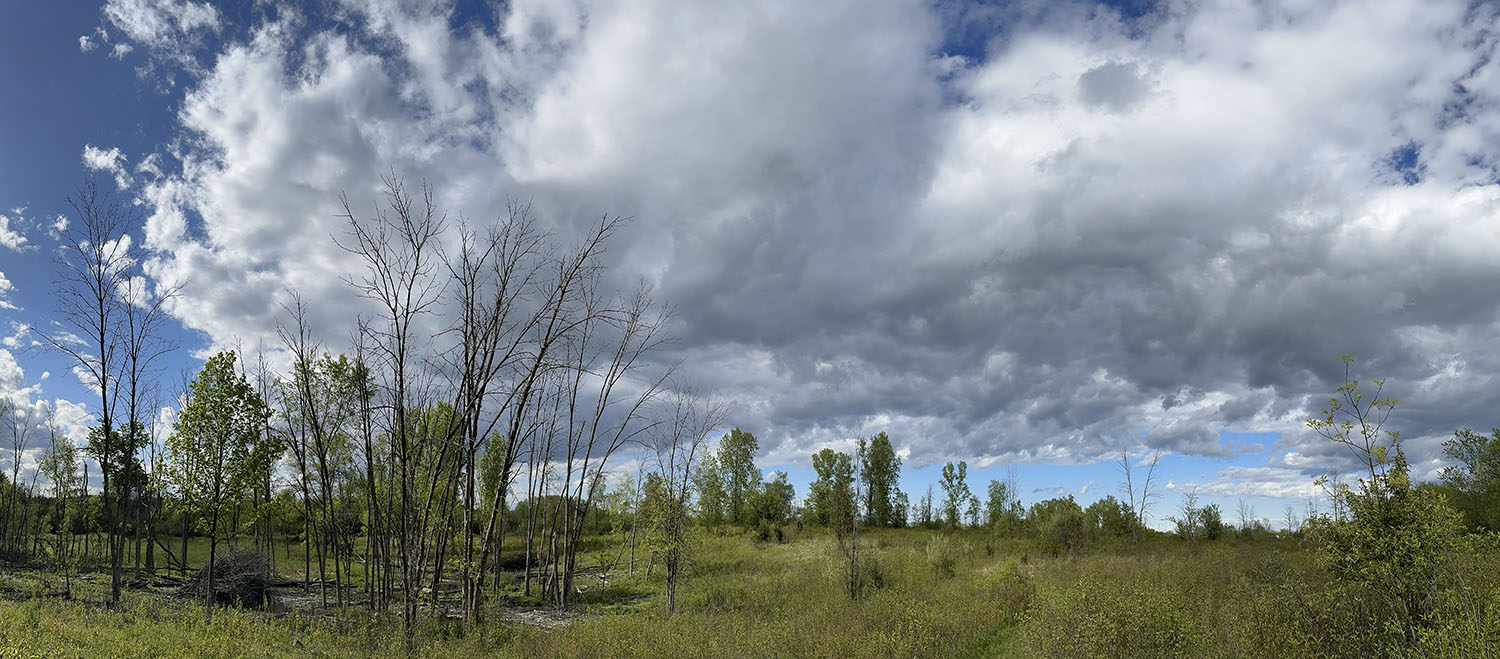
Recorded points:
(741, 598)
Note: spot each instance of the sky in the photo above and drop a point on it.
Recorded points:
(1026, 235)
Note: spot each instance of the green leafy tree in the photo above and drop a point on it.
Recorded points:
(1002, 505)
(831, 495)
(708, 483)
(773, 503)
(1059, 523)
(880, 469)
(60, 464)
(1110, 516)
(1476, 478)
(213, 455)
(955, 490)
(1188, 523)
(740, 475)
(1211, 520)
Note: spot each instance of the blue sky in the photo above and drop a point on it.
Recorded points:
(1017, 234)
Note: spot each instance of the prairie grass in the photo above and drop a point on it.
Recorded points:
(744, 598)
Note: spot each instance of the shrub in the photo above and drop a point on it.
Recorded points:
(1011, 588)
(1064, 533)
(943, 553)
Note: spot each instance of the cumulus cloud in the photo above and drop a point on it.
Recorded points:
(1089, 229)
(110, 160)
(25, 416)
(5, 288)
(10, 231)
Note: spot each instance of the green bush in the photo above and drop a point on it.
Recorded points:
(1011, 589)
(943, 553)
(1064, 532)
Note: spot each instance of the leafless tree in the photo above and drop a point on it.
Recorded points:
(1247, 515)
(143, 311)
(95, 261)
(676, 444)
(18, 421)
(1140, 501)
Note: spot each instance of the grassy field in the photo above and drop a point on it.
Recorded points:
(950, 594)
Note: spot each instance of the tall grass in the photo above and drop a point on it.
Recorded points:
(746, 598)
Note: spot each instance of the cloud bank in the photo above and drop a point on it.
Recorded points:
(1005, 236)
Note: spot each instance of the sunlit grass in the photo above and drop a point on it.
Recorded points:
(742, 598)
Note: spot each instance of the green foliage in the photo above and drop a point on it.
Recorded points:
(213, 454)
(1476, 478)
(491, 468)
(1003, 506)
(124, 465)
(944, 553)
(773, 501)
(880, 471)
(831, 496)
(740, 475)
(708, 484)
(1393, 548)
(1061, 525)
(955, 490)
(1211, 520)
(1110, 517)
(1011, 588)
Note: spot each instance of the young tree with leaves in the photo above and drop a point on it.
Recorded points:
(676, 442)
(212, 455)
(60, 464)
(1475, 476)
(955, 490)
(1394, 543)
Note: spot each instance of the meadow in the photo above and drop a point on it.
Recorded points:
(932, 592)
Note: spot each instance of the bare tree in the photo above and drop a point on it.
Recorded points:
(596, 434)
(687, 422)
(95, 262)
(1247, 514)
(401, 253)
(143, 310)
(555, 317)
(1140, 501)
(17, 420)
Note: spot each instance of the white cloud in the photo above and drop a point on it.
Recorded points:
(1264, 482)
(110, 160)
(91, 42)
(73, 420)
(19, 331)
(120, 50)
(5, 288)
(11, 236)
(1094, 230)
(169, 28)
